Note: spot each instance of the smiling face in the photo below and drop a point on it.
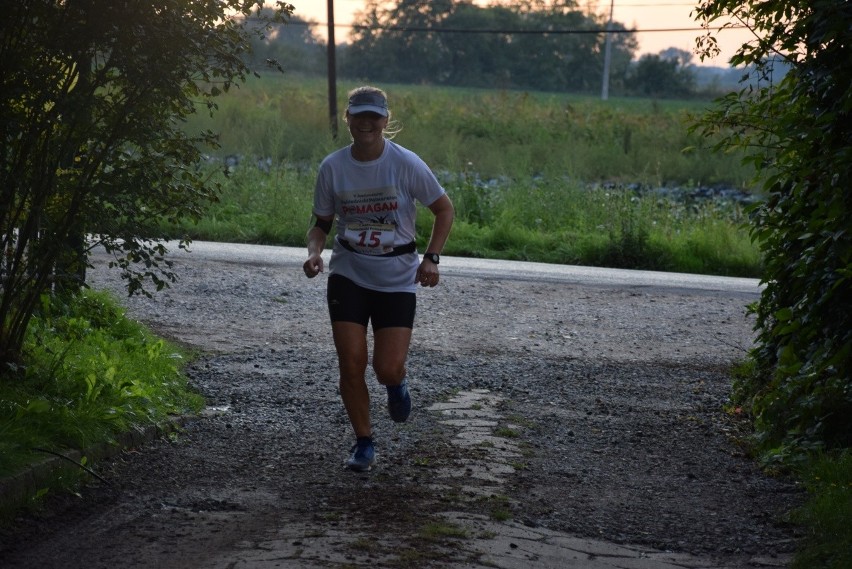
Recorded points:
(366, 130)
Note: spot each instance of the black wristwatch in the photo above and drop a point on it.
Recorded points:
(434, 257)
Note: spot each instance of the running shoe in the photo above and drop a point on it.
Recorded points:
(399, 401)
(363, 455)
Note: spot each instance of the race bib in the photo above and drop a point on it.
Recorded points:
(371, 238)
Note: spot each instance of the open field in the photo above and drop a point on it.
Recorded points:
(539, 177)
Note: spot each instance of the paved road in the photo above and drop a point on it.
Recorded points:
(521, 270)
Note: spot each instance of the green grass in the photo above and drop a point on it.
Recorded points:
(257, 207)
(827, 513)
(524, 170)
(436, 531)
(490, 132)
(90, 374)
(543, 220)
(506, 433)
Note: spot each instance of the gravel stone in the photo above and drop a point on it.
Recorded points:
(598, 411)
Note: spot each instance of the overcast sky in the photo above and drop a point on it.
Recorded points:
(639, 14)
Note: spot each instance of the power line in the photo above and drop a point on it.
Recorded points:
(684, 4)
(523, 32)
(660, 5)
(423, 29)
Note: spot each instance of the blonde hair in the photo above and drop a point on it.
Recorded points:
(393, 127)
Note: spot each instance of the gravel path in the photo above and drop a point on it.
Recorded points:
(593, 411)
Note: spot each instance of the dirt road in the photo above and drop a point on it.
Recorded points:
(559, 420)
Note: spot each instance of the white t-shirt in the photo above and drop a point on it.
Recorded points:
(376, 209)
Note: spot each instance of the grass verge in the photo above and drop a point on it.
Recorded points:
(549, 220)
(517, 165)
(826, 515)
(90, 375)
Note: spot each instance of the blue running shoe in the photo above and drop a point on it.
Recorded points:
(399, 401)
(363, 455)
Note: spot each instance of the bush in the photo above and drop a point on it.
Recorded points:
(89, 373)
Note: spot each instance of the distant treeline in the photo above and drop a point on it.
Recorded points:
(529, 45)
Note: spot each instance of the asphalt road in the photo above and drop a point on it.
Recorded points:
(515, 270)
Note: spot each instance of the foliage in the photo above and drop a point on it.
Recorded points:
(826, 514)
(92, 98)
(548, 219)
(289, 46)
(661, 76)
(256, 206)
(558, 221)
(92, 374)
(533, 176)
(797, 132)
(485, 132)
(457, 42)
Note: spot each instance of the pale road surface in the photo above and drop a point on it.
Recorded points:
(270, 255)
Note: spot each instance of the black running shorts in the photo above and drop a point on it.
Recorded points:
(349, 302)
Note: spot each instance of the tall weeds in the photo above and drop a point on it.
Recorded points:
(526, 173)
(92, 374)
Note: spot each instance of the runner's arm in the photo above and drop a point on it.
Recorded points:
(317, 236)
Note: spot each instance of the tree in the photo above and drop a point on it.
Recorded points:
(479, 59)
(384, 47)
(797, 131)
(291, 46)
(93, 94)
(533, 44)
(664, 75)
(567, 61)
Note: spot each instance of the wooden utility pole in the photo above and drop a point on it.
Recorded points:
(332, 72)
(607, 54)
